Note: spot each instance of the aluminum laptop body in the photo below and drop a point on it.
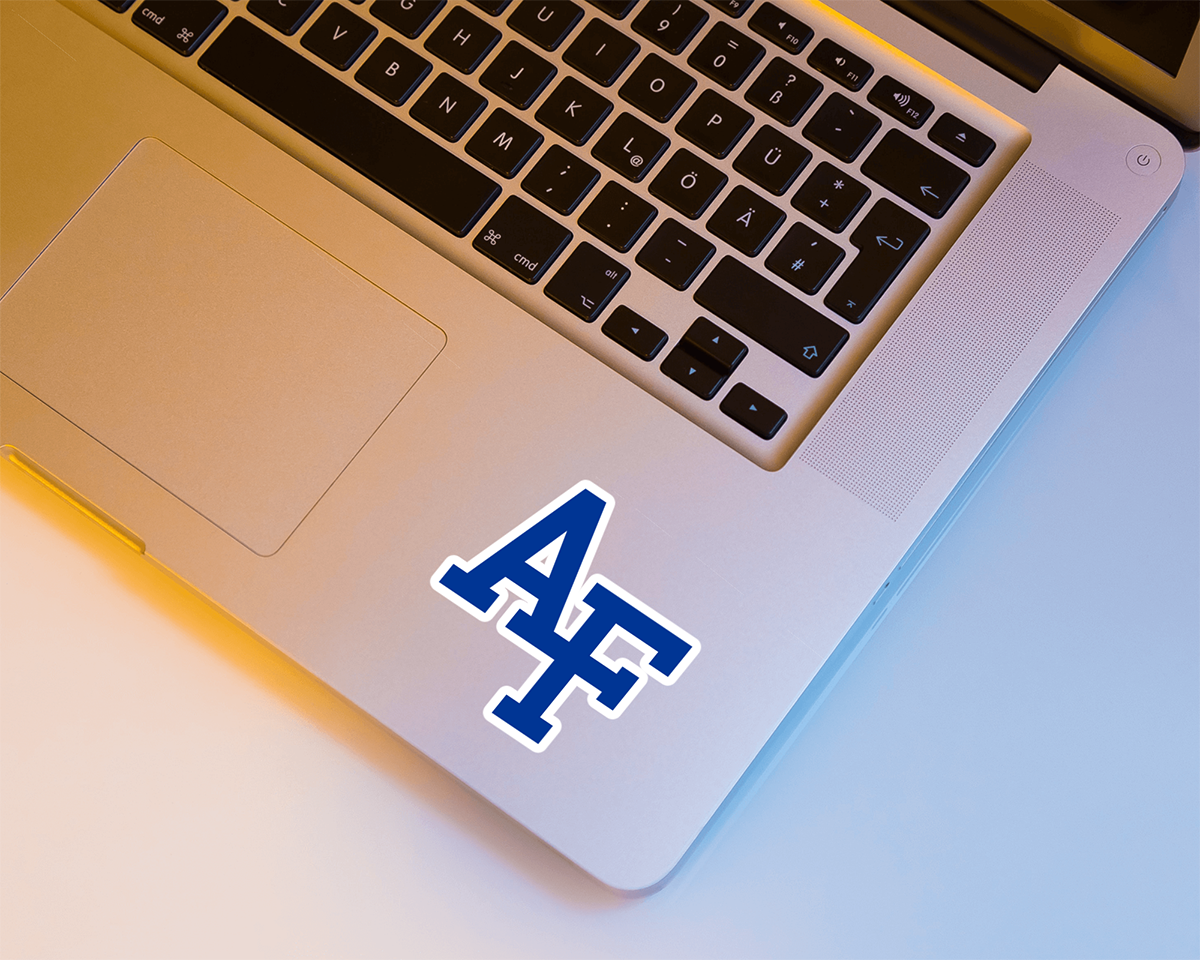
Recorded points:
(259, 367)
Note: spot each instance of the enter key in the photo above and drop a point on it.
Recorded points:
(886, 239)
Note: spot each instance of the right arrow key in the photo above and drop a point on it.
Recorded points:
(915, 173)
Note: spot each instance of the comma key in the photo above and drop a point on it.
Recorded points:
(522, 240)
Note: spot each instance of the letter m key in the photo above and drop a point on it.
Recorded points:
(563, 617)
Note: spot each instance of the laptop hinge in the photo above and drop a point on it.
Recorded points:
(986, 36)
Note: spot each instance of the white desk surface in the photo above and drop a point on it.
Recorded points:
(1010, 768)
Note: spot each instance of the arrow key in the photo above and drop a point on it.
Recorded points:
(691, 371)
(753, 411)
(721, 349)
(635, 333)
(587, 281)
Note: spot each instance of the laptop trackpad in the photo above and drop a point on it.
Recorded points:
(211, 346)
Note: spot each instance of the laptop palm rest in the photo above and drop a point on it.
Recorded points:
(210, 346)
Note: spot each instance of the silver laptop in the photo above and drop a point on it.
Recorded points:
(571, 386)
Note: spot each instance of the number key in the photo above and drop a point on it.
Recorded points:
(726, 56)
(671, 25)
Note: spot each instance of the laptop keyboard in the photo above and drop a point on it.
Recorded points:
(728, 203)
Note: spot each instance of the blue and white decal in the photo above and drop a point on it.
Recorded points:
(563, 617)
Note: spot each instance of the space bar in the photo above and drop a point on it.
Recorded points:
(403, 161)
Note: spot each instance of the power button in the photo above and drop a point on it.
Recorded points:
(1143, 160)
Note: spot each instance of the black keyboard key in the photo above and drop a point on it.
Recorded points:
(670, 23)
(915, 173)
(735, 8)
(409, 18)
(617, 216)
(119, 5)
(839, 64)
(688, 184)
(630, 147)
(393, 71)
(745, 221)
(573, 111)
(493, 8)
(961, 139)
(722, 350)
(617, 9)
(753, 411)
(842, 127)
(521, 239)
(830, 197)
(504, 143)
(462, 40)
(780, 28)
(804, 258)
(636, 334)
(901, 102)
(601, 52)
(787, 327)
(518, 75)
(784, 91)
(181, 24)
(587, 281)
(714, 124)
(726, 56)
(448, 107)
(385, 149)
(338, 36)
(772, 160)
(886, 239)
(560, 180)
(286, 16)
(657, 88)
(674, 254)
(545, 22)
(693, 372)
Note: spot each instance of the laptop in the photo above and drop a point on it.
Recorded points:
(571, 387)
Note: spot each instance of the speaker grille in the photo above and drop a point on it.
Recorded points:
(895, 422)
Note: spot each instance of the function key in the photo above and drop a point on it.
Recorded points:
(714, 124)
(842, 127)
(447, 107)
(804, 258)
(830, 197)
(726, 56)
(745, 221)
(839, 64)
(735, 8)
(338, 36)
(915, 173)
(521, 239)
(545, 22)
(722, 350)
(670, 25)
(181, 24)
(587, 281)
(783, 91)
(462, 39)
(504, 143)
(636, 334)
(772, 160)
(674, 254)
(630, 147)
(657, 88)
(409, 18)
(617, 9)
(617, 216)
(573, 111)
(688, 184)
(780, 28)
(886, 239)
(560, 180)
(962, 140)
(903, 103)
(393, 71)
(753, 411)
(284, 15)
(518, 75)
(786, 326)
(601, 53)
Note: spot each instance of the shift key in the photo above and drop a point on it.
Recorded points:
(523, 240)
